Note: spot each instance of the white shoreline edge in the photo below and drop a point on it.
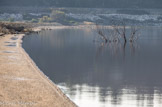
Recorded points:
(36, 68)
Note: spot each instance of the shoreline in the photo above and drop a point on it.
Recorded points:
(50, 95)
(63, 100)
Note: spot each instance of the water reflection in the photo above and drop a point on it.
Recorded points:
(99, 75)
(117, 49)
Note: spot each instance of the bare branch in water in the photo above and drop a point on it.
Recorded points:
(100, 32)
(133, 35)
(120, 28)
(118, 31)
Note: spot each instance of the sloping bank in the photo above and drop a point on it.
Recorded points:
(22, 84)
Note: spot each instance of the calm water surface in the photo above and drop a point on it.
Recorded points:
(96, 75)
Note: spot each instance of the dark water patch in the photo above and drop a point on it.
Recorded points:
(10, 42)
(11, 45)
(14, 38)
(8, 51)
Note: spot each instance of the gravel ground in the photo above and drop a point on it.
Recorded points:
(22, 84)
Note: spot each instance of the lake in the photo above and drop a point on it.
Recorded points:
(93, 74)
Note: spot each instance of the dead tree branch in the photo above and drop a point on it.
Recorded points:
(133, 35)
(121, 30)
(100, 32)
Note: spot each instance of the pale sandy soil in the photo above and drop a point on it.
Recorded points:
(22, 84)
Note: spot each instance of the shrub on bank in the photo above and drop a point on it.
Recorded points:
(34, 20)
(45, 19)
(11, 19)
(57, 15)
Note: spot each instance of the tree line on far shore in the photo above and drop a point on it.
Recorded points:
(86, 3)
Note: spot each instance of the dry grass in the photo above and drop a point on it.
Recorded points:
(21, 82)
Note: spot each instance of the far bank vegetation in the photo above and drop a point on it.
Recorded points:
(55, 16)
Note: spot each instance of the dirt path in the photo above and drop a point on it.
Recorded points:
(22, 84)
